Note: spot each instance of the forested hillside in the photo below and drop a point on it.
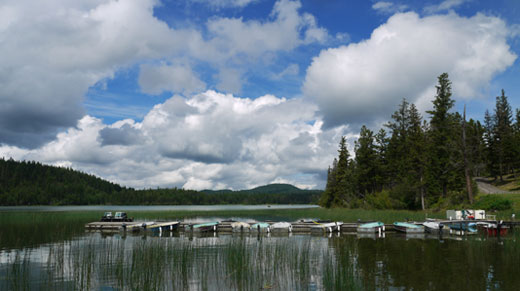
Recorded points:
(413, 163)
(31, 183)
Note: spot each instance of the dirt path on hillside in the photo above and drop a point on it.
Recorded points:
(484, 186)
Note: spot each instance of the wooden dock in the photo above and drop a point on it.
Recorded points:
(225, 226)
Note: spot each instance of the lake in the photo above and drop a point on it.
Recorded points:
(40, 251)
(153, 207)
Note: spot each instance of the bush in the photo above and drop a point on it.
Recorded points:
(493, 202)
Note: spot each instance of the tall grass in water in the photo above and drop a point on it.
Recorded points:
(223, 263)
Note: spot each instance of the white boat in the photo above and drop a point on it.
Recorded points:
(240, 226)
(433, 226)
(327, 227)
(281, 227)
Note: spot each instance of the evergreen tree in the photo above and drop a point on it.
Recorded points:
(398, 146)
(416, 140)
(503, 134)
(517, 140)
(490, 145)
(441, 134)
(339, 191)
(344, 193)
(327, 198)
(466, 153)
(366, 163)
(381, 143)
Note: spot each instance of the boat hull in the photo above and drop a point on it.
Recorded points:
(327, 227)
(281, 227)
(408, 228)
(373, 227)
(492, 229)
(205, 227)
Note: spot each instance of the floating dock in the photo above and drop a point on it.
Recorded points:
(225, 226)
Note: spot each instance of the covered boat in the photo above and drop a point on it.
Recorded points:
(408, 227)
(371, 227)
(261, 227)
(433, 226)
(204, 227)
(327, 227)
(281, 227)
(240, 226)
(470, 227)
(163, 226)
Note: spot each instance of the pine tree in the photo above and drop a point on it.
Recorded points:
(517, 140)
(327, 197)
(381, 142)
(505, 147)
(397, 146)
(340, 184)
(366, 163)
(441, 133)
(344, 176)
(466, 153)
(490, 145)
(416, 140)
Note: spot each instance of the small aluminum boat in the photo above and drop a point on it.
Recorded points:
(371, 227)
(408, 227)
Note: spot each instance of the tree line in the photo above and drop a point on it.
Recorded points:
(32, 183)
(412, 163)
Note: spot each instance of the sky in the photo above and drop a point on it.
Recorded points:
(233, 94)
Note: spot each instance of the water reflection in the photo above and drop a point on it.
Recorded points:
(222, 261)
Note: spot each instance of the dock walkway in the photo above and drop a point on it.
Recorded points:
(225, 226)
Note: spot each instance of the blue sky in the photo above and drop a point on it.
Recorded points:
(235, 93)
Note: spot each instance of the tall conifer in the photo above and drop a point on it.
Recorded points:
(441, 133)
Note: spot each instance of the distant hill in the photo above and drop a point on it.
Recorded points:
(266, 189)
(276, 188)
(32, 183)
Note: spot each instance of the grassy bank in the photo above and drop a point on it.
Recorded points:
(509, 183)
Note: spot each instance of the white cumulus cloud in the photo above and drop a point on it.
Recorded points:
(52, 52)
(363, 82)
(210, 140)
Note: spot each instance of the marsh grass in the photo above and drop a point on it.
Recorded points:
(231, 263)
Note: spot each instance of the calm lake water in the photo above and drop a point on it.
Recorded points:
(154, 207)
(71, 259)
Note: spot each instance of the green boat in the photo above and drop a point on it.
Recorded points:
(408, 227)
(204, 227)
(371, 227)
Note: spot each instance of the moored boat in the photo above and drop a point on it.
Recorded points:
(408, 227)
(240, 226)
(493, 228)
(468, 227)
(281, 227)
(327, 227)
(433, 226)
(163, 226)
(204, 227)
(371, 227)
